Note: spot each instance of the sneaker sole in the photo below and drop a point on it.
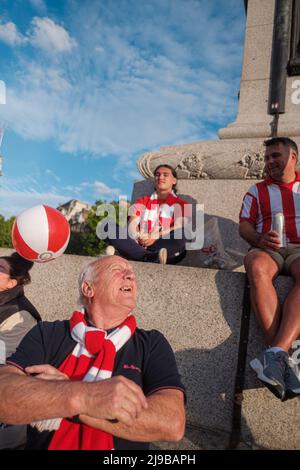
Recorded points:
(273, 386)
(276, 390)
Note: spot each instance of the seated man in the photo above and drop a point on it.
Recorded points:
(95, 381)
(278, 193)
(156, 224)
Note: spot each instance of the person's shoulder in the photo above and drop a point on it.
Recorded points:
(54, 336)
(181, 201)
(51, 328)
(18, 324)
(45, 343)
(150, 337)
(143, 200)
(148, 333)
(24, 317)
(14, 320)
(263, 182)
(254, 188)
(55, 323)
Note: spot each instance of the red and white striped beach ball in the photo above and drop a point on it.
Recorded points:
(40, 233)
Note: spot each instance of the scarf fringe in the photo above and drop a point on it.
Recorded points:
(47, 424)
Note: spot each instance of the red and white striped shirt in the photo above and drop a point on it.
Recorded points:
(265, 199)
(156, 213)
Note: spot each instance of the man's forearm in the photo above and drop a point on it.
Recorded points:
(25, 399)
(248, 233)
(163, 420)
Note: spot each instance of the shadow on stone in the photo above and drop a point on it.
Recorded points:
(208, 372)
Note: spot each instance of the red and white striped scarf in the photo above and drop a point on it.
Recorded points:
(156, 215)
(91, 360)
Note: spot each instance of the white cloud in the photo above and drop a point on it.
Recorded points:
(101, 189)
(43, 33)
(47, 78)
(10, 34)
(13, 201)
(126, 117)
(19, 193)
(125, 85)
(72, 189)
(148, 84)
(39, 5)
(49, 36)
(52, 175)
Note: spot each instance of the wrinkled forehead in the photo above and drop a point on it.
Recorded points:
(110, 263)
(4, 266)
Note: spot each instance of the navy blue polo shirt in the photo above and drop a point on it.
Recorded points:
(147, 359)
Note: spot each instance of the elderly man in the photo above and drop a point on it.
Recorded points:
(279, 193)
(95, 381)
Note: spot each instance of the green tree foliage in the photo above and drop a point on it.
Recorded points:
(5, 231)
(87, 242)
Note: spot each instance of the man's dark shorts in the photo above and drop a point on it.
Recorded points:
(284, 257)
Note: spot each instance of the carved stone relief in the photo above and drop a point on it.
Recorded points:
(254, 162)
(209, 165)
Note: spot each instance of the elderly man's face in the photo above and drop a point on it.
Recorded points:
(116, 284)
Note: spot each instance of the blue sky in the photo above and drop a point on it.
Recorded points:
(93, 84)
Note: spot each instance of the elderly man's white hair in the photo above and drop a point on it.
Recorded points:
(89, 273)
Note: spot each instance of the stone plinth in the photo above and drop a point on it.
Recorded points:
(253, 119)
(209, 160)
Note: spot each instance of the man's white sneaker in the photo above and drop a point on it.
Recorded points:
(110, 250)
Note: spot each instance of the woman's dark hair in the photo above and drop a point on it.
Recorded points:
(19, 268)
(174, 188)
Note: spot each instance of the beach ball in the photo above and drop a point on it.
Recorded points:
(40, 233)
